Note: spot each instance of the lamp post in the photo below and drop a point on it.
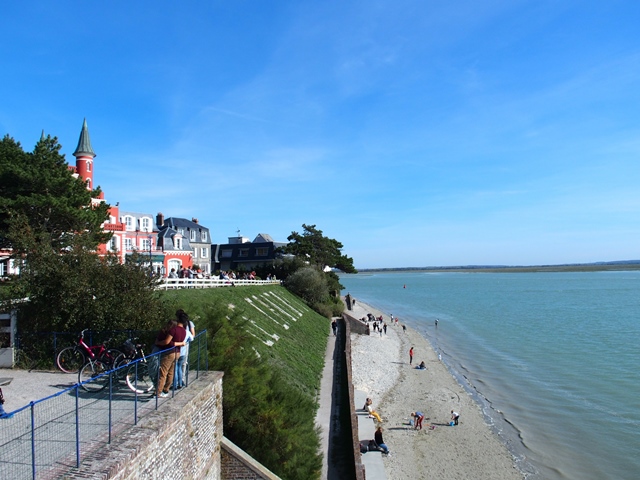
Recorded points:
(150, 258)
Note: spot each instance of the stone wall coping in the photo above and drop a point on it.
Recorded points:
(252, 464)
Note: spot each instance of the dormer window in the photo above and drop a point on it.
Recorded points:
(128, 221)
(177, 242)
(145, 224)
(193, 235)
(204, 236)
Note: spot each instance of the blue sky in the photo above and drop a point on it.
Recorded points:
(417, 133)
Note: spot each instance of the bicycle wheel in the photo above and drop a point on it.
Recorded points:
(111, 357)
(91, 373)
(70, 360)
(138, 378)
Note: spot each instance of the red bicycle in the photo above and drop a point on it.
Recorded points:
(72, 359)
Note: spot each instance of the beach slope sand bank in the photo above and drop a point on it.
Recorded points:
(381, 368)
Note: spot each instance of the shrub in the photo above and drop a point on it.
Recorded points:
(309, 284)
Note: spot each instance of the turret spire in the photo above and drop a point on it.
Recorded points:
(84, 144)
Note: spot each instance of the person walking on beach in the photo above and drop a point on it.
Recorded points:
(384, 326)
(436, 323)
(454, 417)
(417, 417)
(410, 355)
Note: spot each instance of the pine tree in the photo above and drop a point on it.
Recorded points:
(41, 202)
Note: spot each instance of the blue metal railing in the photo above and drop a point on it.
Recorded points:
(52, 435)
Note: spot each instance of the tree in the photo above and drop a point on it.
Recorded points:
(310, 284)
(318, 250)
(48, 219)
(41, 201)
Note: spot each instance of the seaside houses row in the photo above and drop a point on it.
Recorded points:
(168, 243)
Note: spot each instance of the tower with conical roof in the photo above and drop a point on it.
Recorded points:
(84, 157)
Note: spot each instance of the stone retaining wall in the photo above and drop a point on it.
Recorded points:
(237, 465)
(359, 467)
(181, 440)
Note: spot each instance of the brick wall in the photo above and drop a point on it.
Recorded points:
(181, 440)
(237, 465)
(356, 325)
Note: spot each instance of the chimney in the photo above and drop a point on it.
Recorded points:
(194, 220)
(160, 220)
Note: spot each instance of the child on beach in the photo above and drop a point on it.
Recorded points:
(418, 417)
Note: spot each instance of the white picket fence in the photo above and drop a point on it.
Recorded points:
(175, 283)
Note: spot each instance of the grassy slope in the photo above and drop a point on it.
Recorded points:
(291, 336)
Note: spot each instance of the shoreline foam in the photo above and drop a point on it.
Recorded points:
(381, 368)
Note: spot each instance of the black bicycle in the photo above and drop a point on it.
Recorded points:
(139, 375)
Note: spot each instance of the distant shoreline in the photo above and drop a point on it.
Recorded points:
(586, 267)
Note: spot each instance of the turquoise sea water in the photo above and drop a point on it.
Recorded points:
(551, 357)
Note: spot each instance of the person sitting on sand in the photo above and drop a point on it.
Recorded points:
(422, 366)
(380, 441)
(372, 413)
(418, 417)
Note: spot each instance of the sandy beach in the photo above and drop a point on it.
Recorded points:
(381, 368)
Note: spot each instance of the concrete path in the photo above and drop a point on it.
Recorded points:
(324, 414)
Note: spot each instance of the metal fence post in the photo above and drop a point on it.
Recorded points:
(110, 401)
(135, 400)
(198, 363)
(77, 425)
(55, 346)
(158, 389)
(33, 441)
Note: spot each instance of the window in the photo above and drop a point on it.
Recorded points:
(145, 224)
(88, 166)
(89, 183)
(114, 244)
(127, 244)
(204, 236)
(204, 253)
(177, 242)
(193, 235)
(145, 244)
(243, 253)
(128, 221)
(262, 252)
(181, 231)
(226, 253)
